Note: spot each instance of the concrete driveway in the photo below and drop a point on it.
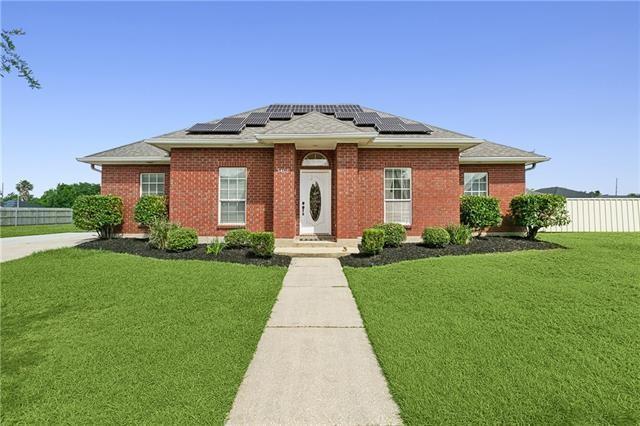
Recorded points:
(17, 247)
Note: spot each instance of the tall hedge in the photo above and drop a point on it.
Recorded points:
(150, 208)
(100, 213)
(536, 211)
(479, 212)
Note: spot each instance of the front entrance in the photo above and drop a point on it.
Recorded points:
(315, 202)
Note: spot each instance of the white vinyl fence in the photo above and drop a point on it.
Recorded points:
(601, 215)
(34, 216)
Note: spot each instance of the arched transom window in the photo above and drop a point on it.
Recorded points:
(315, 159)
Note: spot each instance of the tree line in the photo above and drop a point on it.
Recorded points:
(63, 195)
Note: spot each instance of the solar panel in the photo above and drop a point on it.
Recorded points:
(202, 128)
(366, 118)
(230, 125)
(280, 115)
(326, 108)
(302, 109)
(416, 128)
(390, 125)
(348, 108)
(279, 108)
(258, 119)
(344, 115)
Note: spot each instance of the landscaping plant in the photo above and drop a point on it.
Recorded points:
(536, 211)
(100, 213)
(480, 212)
(435, 237)
(215, 247)
(159, 233)
(150, 208)
(180, 239)
(238, 238)
(459, 235)
(262, 243)
(372, 241)
(394, 234)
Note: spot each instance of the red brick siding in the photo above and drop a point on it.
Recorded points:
(194, 188)
(505, 182)
(285, 209)
(347, 189)
(124, 181)
(435, 189)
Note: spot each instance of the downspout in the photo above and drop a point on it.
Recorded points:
(533, 166)
(93, 167)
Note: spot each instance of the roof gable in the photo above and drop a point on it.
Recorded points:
(313, 123)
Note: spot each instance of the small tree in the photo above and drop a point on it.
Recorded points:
(479, 212)
(150, 208)
(12, 61)
(536, 211)
(100, 213)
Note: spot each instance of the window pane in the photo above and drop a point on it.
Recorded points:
(476, 184)
(388, 173)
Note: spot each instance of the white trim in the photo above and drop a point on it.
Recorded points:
(329, 197)
(384, 195)
(502, 160)
(124, 160)
(246, 188)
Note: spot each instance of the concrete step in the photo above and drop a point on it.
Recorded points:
(313, 251)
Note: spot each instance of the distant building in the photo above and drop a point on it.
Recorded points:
(14, 203)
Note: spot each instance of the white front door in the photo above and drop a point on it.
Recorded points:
(315, 202)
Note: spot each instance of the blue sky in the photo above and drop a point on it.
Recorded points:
(557, 78)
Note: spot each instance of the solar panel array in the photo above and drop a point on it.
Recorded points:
(349, 112)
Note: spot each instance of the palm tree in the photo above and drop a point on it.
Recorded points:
(23, 187)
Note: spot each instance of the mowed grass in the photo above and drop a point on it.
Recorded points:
(95, 337)
(20, 231)
(537, 337)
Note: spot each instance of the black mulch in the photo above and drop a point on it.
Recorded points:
(141, 247)
(411, 251)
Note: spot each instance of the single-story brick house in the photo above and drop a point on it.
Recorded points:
(311, 169)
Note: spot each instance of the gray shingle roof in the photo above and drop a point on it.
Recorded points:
(312, 123)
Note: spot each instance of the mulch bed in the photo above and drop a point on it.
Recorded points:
(141, 247)
(411, 251)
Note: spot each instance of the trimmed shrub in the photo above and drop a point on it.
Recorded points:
(480, 212)
(537, 211)
(158, 233)
(394, 234)
(435, 237)
(262, 243)
(238, 238)
(150, 208)
(459, 235)
(100, 213)
(181, 239)
(372, 241)
(215, 247)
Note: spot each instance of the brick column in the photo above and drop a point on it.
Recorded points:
(284, 191)
(347, 214)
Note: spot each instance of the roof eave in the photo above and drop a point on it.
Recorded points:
(124, 160)
(399, 142)
(503, 160)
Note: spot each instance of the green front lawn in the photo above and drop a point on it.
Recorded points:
(20, 231)
(537, 337)
(96, 337)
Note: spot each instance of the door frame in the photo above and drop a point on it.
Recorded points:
(329, 195)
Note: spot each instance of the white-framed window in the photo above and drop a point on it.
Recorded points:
(476, 184)
(232, 197)
(397, 195)
(151, 184)
(315, 159)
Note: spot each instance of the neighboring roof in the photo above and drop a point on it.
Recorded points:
(313, 123)
(566, 192)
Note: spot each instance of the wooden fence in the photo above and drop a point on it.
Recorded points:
(11, 216)
(601, 215)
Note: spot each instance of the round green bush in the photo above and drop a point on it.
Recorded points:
(460, 235)
(262, 243)
(394, 234)
(480, 212)
(237, 238)
(150, 208)
(100, 213)
(180, 239)
(372, 241)
(537, 211)
(435, 237)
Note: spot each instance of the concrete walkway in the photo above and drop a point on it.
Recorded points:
(314, 363)
(17, 247)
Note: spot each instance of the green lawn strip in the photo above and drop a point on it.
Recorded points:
(97, 337)
(20, 231)
(537, 337)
